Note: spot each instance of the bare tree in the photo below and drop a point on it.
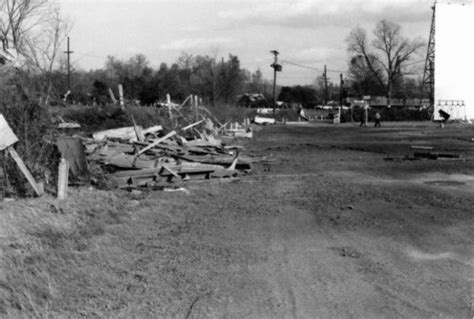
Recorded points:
(32, 31)
(42, 49)
(386, 55)
(18, 18)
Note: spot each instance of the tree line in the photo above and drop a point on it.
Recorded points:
(33, 33)
(215, 81)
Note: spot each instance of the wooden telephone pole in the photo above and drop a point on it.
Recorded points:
(68, 52)
(276, 68)
(325, 77)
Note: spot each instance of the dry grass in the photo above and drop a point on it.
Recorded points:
(45, 244)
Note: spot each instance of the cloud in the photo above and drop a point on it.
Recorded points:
(316, 13)
(315, 55)
(197, 43)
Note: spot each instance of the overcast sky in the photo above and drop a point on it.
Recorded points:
(306, 32)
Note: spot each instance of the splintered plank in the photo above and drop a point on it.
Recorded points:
(158, 141)
(21, 165)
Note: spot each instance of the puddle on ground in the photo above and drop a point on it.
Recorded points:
(445, 183)
(422, 256)
(453, 182)
(418, 255)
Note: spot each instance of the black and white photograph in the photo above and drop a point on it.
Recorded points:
(237, 159)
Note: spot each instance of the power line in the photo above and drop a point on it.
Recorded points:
(301, 66)
(312, 68)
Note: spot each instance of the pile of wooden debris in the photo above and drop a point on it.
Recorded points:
(137, 157)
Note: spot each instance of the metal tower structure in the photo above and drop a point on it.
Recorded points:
(428, 74)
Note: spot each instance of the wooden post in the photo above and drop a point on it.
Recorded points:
(196, 104)
(63, 177)
(168, 102)
(122, 103)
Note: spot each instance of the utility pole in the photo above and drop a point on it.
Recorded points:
(325, 77)
(276, 68)
(341, 90)
(68, 52)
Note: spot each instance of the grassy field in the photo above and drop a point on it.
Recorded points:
(338, 223)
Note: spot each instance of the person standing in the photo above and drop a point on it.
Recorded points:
(377, 119)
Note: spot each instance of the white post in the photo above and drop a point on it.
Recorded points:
(120, 88)
(63, 177)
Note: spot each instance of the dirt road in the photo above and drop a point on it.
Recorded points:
(326, 229)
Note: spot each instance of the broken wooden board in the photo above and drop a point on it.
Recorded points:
(153, 129)
(192, 125)
(212, 142)
(66, 125)
(158, 141)
(124, 133)
(7, 137)
(244, 162)
(38, 188)
(121, 160)
(138, 131)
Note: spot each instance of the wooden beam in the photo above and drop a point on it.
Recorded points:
(186, 100)
(158, 141)
(172, 172)
(21, 165)
(192, 125)
(137, 130)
